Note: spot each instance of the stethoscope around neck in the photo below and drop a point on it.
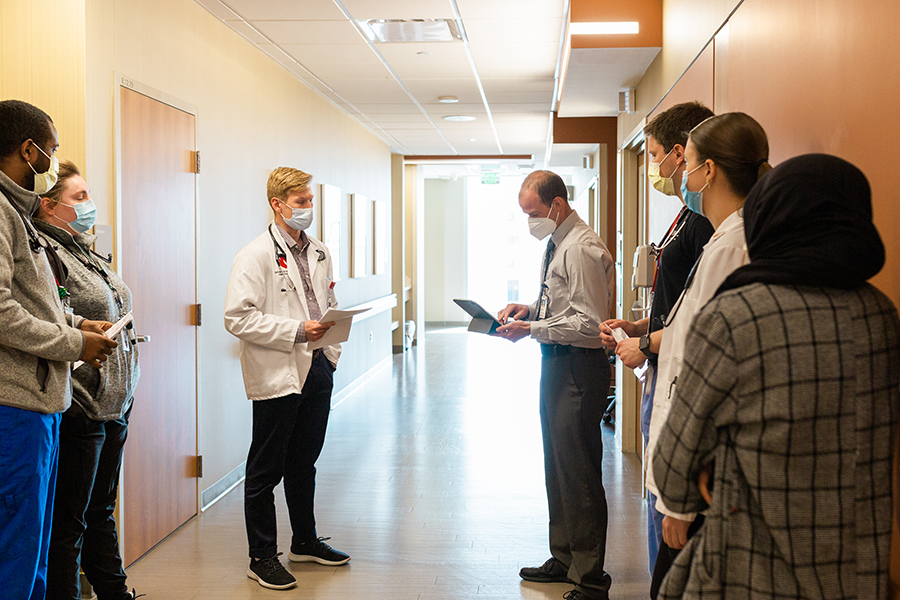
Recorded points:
(281, 264)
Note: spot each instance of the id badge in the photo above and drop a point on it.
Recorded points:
(542, 312)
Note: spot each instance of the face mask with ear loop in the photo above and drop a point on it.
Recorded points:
(301, 218)
(85, 216)
(693, 200)
(541, 227)
(43, 182)
(661, 184)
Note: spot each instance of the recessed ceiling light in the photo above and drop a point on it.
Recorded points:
(448, 99)
(459, 118)
(472, 140)
(412, 30)
(603, 28)
(424, 53)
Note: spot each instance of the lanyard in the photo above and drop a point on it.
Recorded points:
(88, 261)
(676, 227)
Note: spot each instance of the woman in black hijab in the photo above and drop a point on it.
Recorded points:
(790, 389)
(810, 223)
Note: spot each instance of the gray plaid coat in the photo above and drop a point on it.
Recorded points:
(792, 393)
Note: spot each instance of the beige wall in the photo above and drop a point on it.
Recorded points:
(42, 62)
(252, 116)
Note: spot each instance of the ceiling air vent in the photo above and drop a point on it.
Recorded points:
(413, 30)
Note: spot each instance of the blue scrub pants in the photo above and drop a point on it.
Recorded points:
(29, 447)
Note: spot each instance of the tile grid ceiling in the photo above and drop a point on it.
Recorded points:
(503, 73)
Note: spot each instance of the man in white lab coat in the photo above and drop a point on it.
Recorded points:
(280, 285)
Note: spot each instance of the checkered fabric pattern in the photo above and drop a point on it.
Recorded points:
(792, 393)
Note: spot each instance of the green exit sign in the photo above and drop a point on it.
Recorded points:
(490, 178)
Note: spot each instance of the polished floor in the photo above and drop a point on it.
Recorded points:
(431, 478)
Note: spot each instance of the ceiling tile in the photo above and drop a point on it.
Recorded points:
(479, 9)
(310, 32)
(546, 68)
(438, 52)
(369, 90)
(428, 90)
(513, 30)
(530, 108)
(286, 9)
(323, 53)
(514, 52)
(398, 9)
(247, 31)
(218, 9)
(339, 71)
(387, 109)
(516, 84)
(410, 71)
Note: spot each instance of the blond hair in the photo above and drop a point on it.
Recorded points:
(284, 180)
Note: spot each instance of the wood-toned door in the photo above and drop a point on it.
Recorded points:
(157, 260)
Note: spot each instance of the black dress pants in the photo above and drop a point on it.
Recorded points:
(574, 389)
(83, 536)
(288, 435)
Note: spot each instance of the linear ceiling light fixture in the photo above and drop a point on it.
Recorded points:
(605, 28)
(381, 31)
(459, 118)
(448, 99)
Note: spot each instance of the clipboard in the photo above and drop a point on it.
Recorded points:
(482, 321)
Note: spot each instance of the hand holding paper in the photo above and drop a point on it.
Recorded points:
(337, 333)
(96, 348)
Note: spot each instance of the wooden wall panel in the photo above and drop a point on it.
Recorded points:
(823, 76)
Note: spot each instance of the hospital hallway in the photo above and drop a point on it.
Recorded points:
(432, 480)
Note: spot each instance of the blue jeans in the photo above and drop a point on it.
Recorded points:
(654, 517)
(29, 447)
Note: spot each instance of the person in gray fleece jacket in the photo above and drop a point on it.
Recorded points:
(92, 431)
(38, 340)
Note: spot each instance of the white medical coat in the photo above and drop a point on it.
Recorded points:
(264, 306)
(723, 253)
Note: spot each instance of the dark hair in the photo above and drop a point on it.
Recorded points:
(671, 126)
(737, 144)
(20, 121)
(548, 186)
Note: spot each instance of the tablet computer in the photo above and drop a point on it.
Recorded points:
(482, 320)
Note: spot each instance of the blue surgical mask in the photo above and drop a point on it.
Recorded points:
(85, 216)
(693, 200)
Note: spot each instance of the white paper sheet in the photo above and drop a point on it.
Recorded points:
(340, 331)
(112, 332)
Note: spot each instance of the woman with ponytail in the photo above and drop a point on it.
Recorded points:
(725, 156)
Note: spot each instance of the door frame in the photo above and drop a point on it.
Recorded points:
(123, 81)
(628, 388)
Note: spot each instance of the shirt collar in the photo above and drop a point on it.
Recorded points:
(304, 239)
(564, 228)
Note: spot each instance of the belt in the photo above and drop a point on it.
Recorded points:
(562, 350)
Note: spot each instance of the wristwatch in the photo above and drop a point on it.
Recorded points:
(644, 345)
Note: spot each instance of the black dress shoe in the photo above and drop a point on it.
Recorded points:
(549, 572)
